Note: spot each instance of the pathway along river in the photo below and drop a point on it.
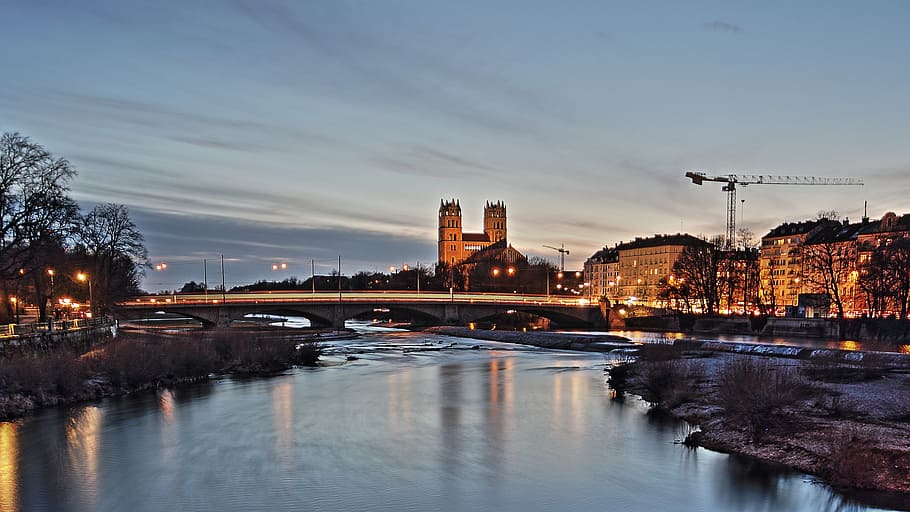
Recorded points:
(406, 427)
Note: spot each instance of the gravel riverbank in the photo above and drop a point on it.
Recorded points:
(847, 422)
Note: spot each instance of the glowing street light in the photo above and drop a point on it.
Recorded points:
(15, 302)
(161, 266)
(50, 314)
(82, 276)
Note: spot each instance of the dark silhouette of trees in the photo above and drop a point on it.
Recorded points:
(898, 267)
(885, 277)
(115, 251)
(826, 269)
(697, 267)
(36, 215)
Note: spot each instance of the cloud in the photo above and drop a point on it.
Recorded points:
(217, 143)
(164, 119)
(424, 161)
(249, 248)
(397, 69)
(723, 26)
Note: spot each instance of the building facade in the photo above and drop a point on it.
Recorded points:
(455, 245)
(829, 263)
(632, 271)
(601, 271)
(781, 264)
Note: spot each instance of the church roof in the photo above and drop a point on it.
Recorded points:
(500, 251)
(475, 237)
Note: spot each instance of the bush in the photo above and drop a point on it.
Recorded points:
(258, 353)
(43, 374)
(309, 352)
(754, 393)
(667, 383)
(130, 363)
(856, 459)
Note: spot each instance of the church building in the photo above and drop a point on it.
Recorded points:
(455, 246)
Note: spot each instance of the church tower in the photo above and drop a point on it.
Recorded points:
(494, 221)
(451, 243)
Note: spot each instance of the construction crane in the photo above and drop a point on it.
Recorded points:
(562, 254)
(732, 180)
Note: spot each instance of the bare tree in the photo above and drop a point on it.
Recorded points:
(876, 281)
(36, 214)
(897, 268)
(116, 250)
(827, 267)
(697, 266)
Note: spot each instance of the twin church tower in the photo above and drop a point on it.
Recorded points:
(454, 245)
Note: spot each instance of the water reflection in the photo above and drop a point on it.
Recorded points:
(399, 403)
(83, 441)
(568, 386)
(442, 430)
(167, 405)
(9, 466)
(283, 406)
(848, 345)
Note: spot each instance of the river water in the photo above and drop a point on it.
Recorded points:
(417, 422)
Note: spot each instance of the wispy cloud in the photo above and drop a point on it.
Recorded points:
(420, 160)
(250, 248)
(723, 26)
(164, 119)
(394, 69)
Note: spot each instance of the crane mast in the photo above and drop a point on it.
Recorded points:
(562, 254)
(731, 180)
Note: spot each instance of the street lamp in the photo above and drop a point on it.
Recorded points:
(15, 302)
(82, 276)
(50, 317)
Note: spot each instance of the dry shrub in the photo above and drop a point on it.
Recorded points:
(667, 384)
(254, 353)
(190, 358)
(857, 459)
(309, 352)
(42, 374)
(754, 393)
(133, 363)
(130, 363)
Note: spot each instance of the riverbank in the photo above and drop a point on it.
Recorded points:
(845, 421)
(136, 361)
(543, 339)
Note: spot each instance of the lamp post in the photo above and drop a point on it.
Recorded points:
(15, 302)
(50, 314)
(82, 276)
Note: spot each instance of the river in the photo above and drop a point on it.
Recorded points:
(417, 422)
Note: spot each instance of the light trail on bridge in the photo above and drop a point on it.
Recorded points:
(285, 297)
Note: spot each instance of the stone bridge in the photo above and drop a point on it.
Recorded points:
(331, 309)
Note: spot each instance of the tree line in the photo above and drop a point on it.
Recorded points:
(49, 247)
(870, 278)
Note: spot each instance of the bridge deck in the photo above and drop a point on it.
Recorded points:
(323, 297)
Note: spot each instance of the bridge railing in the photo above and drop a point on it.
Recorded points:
(40, 328)
(352, 296)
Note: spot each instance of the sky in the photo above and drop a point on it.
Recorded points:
(298, 132)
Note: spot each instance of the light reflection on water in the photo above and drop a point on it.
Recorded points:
(9, 466)
(499, 428)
